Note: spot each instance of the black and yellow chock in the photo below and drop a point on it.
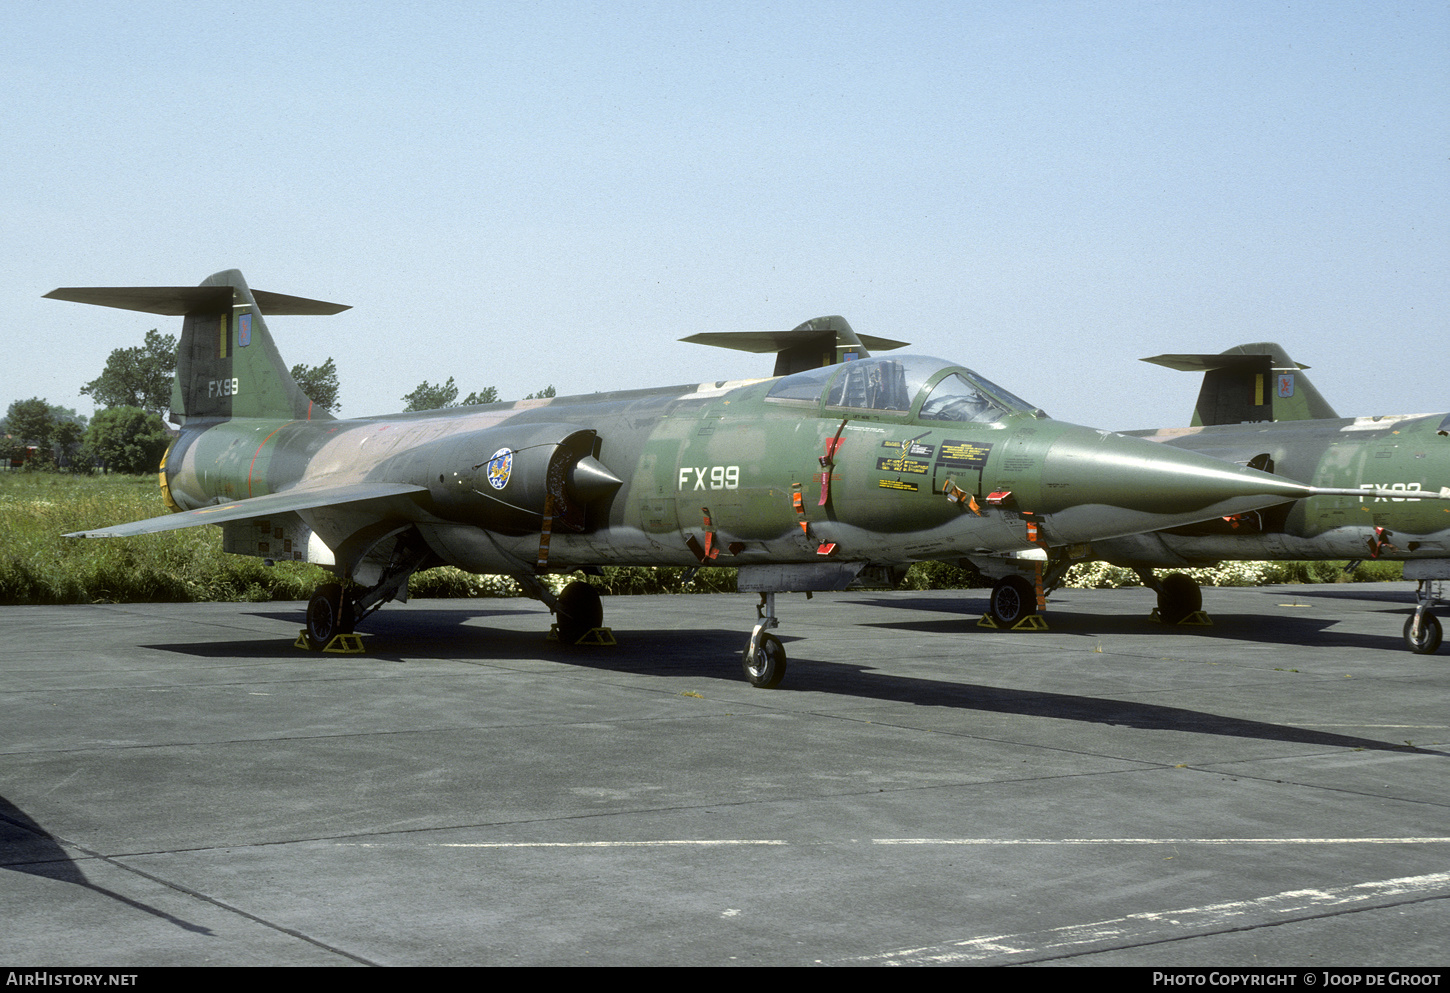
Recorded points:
(594, 636)
(340, 644)
(1032, 622)
(1198, 618)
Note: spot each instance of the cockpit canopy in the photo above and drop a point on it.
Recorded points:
(893, 385)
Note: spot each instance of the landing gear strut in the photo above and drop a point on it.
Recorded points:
(764, 659)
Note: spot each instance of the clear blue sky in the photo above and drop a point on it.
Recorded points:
(519, 194)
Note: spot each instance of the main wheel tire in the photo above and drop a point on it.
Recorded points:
(578, 612)
(1179, 597)
(767, 668)
(1430, 634)
(1013, 598)
(329, 613)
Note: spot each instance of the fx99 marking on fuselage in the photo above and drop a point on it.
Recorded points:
(710, 477)
(223, 387)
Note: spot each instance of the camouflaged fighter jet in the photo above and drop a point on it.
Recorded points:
(1257, 408)
(841, 469)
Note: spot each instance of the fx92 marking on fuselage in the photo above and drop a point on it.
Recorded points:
(1397, 487)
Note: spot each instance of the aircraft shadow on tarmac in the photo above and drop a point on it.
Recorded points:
(1073, 707)
(27, 847)
(1272, 628)
(707, 654)
(434, 634)
(1401, 600)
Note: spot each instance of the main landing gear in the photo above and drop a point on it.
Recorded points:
(1179, 597)
(329, 613)
(1013, 600)
(578, 612)
(337, 608)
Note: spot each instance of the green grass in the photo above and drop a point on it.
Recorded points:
(37, 565)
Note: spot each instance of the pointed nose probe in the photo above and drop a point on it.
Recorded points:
(1096, 481)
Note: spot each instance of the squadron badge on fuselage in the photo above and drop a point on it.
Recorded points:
(499, 467)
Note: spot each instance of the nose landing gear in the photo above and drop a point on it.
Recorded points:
(764, 658)
(1422, 628)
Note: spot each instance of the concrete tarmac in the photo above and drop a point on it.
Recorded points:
(179, 785)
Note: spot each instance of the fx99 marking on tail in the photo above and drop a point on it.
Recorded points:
(223, 387)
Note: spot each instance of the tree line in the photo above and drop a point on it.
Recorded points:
(133, 392)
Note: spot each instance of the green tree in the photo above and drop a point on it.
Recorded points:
(137, 377)
(66, 437)
(127, 439)
(429, 397)
(61, 415)
(489, 394)
(543, 394)
(31, 421)
(319, 382)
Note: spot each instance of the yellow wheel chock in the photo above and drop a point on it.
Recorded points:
(594, 636)
(341, 644)
(1198, 618)
(1032, 622)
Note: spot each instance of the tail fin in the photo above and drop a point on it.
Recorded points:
(1254, 382)
(226, 364)
(821, 341)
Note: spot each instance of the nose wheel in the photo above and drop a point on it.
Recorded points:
(765, 666)
(1422, 628)
(764, 659)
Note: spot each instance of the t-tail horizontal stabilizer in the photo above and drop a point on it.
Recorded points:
(178, 301)
(226, 362)
(1250, 383)
(821, 341)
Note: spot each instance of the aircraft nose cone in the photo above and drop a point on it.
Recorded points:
(1096, 481)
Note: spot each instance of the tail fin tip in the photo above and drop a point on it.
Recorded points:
(1250, 383)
